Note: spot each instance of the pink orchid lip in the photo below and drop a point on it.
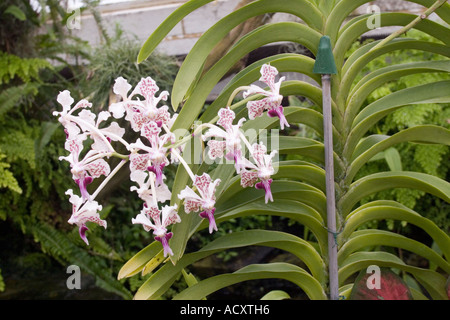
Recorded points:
(209, 214)
(82, 232)
(158, 171)
(236, 157)
(265, 184)
(165, 243)
(82, 183)
(278, 112)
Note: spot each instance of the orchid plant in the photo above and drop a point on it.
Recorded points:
(252, 181)
(150, 153)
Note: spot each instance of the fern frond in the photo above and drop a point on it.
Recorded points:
(12, 66)
(7, 179)
(59, 246)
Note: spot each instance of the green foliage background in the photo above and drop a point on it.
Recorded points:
(427, 158)
(33, 206)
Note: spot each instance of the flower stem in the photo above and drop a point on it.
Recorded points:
(411, 25)
(247, 143)
(183, 162)
(109, 177)
(235, 92)
(94, 129)
(151, 176)
(96, 156)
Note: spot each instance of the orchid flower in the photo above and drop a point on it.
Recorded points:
(231, 145)
(158, 220)
(112, 133)
(145, 190)
(83, 212)
(140, 112)
(205, 200)
(64, 98)
(261, 170)
(154, 157)
(90, 167)
(85, 121)
(273, 99)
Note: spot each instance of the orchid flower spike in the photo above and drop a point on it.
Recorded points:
(205, 200)
(157, 220)
(273, 99)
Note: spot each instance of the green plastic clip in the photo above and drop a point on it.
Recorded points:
(325, 60)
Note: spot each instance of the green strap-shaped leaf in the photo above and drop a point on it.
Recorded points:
(285, 271)
(362, 56)
(235, 197)
(164, 28)
(303, 9)
(283, 31)
(192, 65)
(296, 210)
(368, 238)
(16, 12)
(181, 230)
(382, 209)
(139, 260)
(308, 148)
(436, 92)
(417, 134)
(286, 62)
(276, 295)
(345, 7)
(162, 279)
(381, 76)
(290, 172)
(388, 180)
(386, 19)
(312, 175)
(362, 259)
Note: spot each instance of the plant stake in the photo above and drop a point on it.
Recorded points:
(325, 65)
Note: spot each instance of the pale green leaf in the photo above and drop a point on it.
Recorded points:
(285, 271)
(162, 279)
(389, 180)
(139, 260)
(276, 295)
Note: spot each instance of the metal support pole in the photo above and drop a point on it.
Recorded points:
(330, 191)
